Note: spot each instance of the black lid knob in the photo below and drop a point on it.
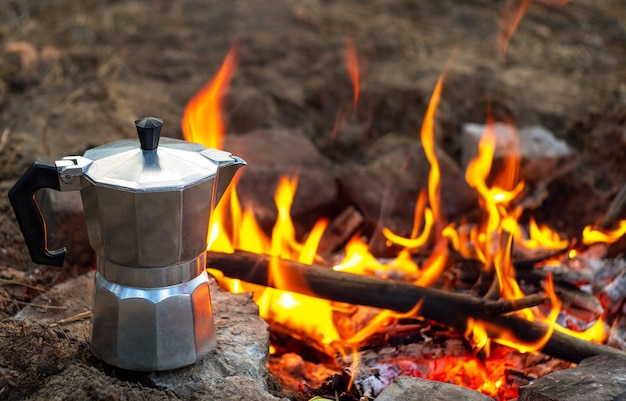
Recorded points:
(149, 131)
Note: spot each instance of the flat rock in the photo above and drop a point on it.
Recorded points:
(272, 154)
(543, 157)
(236, 366)
(408, 388)
(599, 378)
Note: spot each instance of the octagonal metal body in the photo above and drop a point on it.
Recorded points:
(148, 206)
(148, 329)
(148, 228)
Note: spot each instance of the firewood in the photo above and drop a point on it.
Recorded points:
(339, 231)
(615, 292)
(578, 303)
(451, 309)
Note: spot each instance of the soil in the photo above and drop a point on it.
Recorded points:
(76, 74)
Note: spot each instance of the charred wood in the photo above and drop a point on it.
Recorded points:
(339, 231)
(615, 210)
(447, 308)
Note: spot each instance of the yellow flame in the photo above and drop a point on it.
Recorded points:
(594, 235)
(235, 228)
(412, 243)
(202, 120)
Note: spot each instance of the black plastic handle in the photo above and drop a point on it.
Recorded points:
(29, 217)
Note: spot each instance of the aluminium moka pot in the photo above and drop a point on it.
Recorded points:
(147, 206)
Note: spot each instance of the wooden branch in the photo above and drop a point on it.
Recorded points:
(504, 306)
(447, 308)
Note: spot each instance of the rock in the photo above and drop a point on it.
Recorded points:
(249, 109)
(385, 189)
(543, 157)
(272, 154)
(414, 389)
(236, 366)
(599, 378)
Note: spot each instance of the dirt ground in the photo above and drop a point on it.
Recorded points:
(76, 74)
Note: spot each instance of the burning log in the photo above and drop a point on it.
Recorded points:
(447, 308)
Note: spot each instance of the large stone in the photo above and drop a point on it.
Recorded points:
(414, 389)
(272, 154)
(385, 188)
(235, 367)
(599, 378)
(543, 157)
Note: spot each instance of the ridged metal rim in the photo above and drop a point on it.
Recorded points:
(151, 277)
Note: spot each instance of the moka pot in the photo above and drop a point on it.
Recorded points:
(147, 204)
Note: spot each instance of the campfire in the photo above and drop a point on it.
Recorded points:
(489, 300)
(391, 226)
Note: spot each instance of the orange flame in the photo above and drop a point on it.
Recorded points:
(202, 119)
(354, 71)
(233, 227)
(540, 236)
(434, 265)
(427, 135)
(415, 241)
(489, 246)
(352, 64)
(511, 16)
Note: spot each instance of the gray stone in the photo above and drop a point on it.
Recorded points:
(407, 388)
(239, 359)
(271, 154)
(236, 366)
(543, 157)
(385, 188)
(599, 378)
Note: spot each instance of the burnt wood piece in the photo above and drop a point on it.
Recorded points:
(615, 210)
(339, 231)
(447, 308)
